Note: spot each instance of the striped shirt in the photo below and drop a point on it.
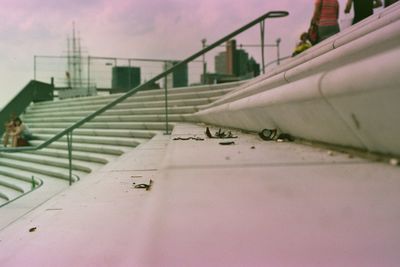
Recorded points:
(329, 12)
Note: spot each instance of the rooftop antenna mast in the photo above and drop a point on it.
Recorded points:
(74, 74)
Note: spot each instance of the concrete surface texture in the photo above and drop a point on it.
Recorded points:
(252, 203)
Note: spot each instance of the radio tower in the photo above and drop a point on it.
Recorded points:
(74, 56)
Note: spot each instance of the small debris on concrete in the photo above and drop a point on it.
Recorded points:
(268, 134)
(219, 134)
(144, 186)
(33, 229)
(188, 138)
(285, 137)
(208, 133)
(253, 147)
(330, 153)
(394, 162)
(272, 134)
(227, 143)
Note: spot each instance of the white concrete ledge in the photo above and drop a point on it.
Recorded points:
(345, 96)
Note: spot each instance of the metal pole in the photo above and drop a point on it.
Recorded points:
(88, 70)
(262, 31)
(278, 61)
(34, 68)
(33, 183)
(130, 74)
(69, 144)
(166, 101)
(203, 41)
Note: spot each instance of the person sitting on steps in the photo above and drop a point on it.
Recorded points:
(9, 128)
(21, 134)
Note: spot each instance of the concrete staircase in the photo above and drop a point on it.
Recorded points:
(98, 142)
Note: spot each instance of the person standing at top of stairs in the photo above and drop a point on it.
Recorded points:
(326, 14)
(362, 8)
(389, 2)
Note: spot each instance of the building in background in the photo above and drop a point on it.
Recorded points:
(220, 63)
(125, 78)
(179, 77)
(233, 65)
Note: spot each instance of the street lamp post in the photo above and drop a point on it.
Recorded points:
(278, 41)
(203, 41)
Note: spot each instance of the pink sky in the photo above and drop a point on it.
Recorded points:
(134, 28)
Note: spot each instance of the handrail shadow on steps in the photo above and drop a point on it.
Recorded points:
(68, 131)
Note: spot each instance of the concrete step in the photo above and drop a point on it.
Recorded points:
(117, 126)
(12, 184)
(46, 188)
(171, 103)
(15, 184)
(99, 140)
(77, 165)
(4, 198)
(199, 88)
(135, 105)
(133, 99)
(8, 194)
(37, 169)
(109, 118)
(91, 148)
(118, 112)
(22, 175)
(99, 133)
(172, 91)
(76, 155)
(29, 120)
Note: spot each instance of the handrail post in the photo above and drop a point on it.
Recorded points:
(33, 182)
(166, 103)
(88, 75)
(203, 41)
(34, 67)
(278, 60)
(262, 32)
(69, 144)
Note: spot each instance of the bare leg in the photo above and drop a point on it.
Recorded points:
(6, 137)
(15, 140)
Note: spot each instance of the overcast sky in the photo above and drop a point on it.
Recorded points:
(134, 28)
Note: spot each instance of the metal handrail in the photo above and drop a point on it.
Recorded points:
(68, 131)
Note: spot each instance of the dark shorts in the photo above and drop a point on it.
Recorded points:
(325, 32)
